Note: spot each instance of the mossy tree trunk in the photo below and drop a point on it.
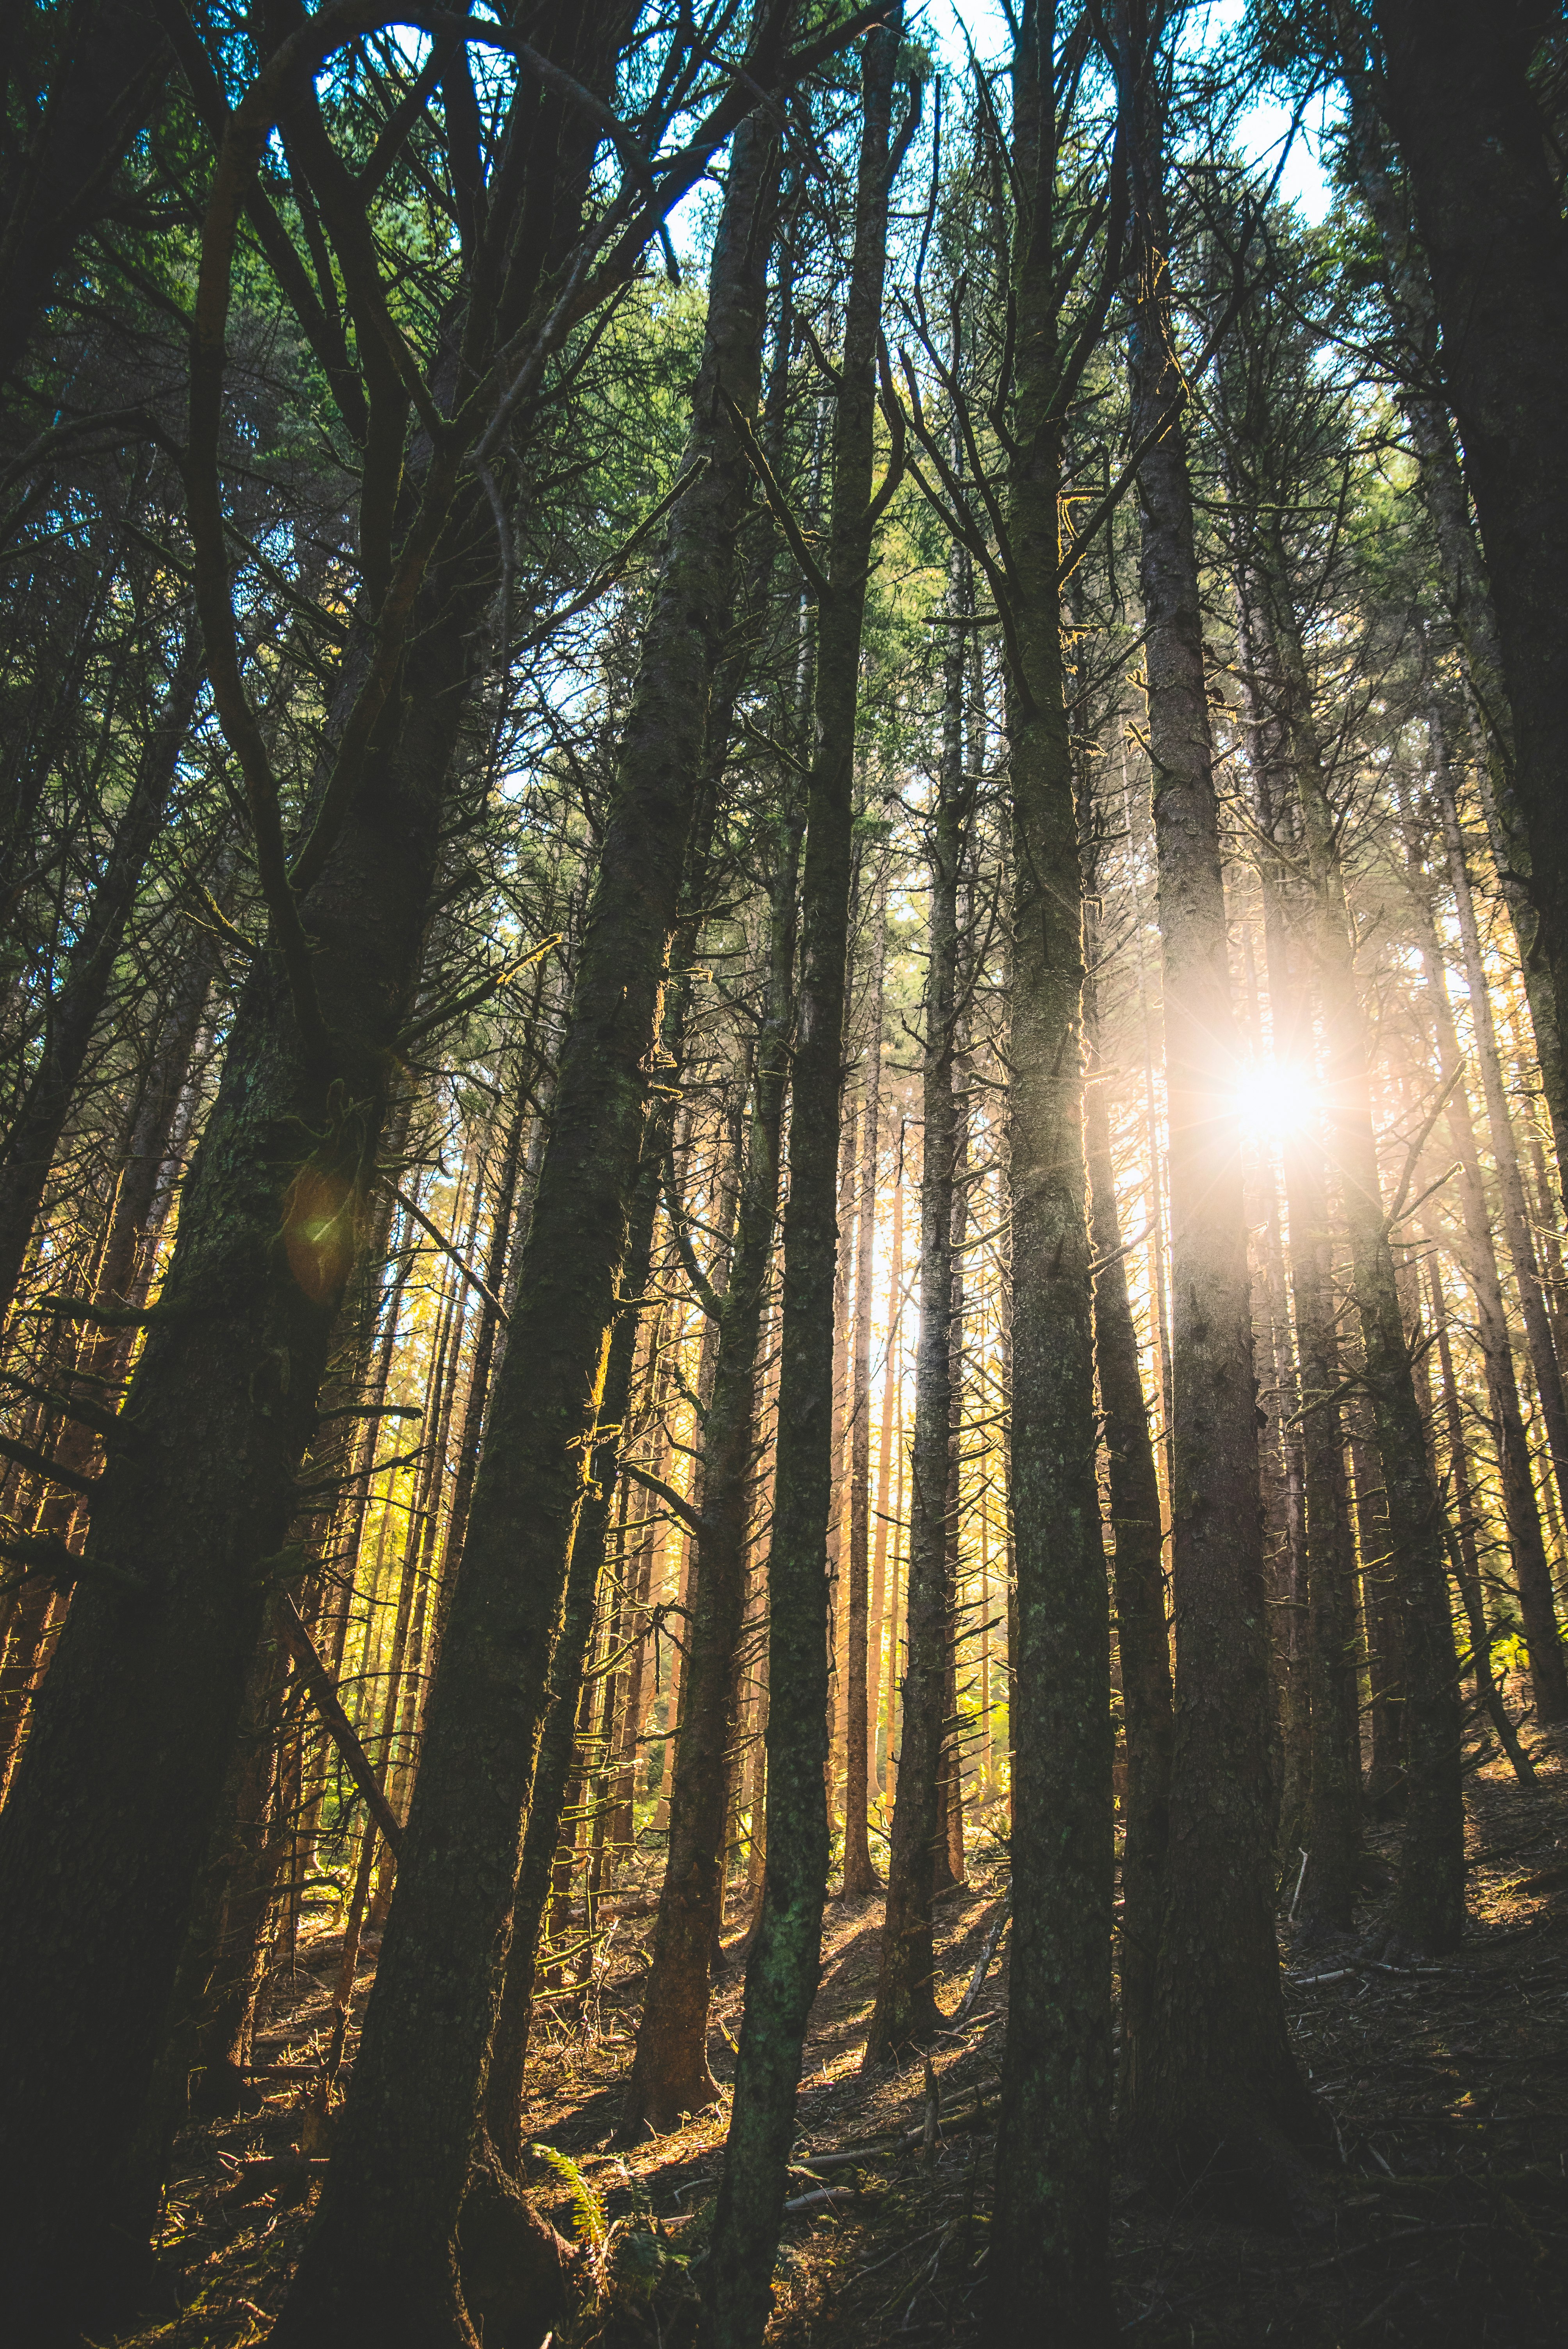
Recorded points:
(783, 1971)
(113, 1808)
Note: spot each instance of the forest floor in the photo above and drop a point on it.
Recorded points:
(1448, 2085)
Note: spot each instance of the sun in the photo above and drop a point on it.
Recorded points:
(1274, 1099)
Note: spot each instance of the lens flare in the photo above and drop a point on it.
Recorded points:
(319, 1231)
(1274, 1100)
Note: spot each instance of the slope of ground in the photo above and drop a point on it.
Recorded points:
(1446, 2225)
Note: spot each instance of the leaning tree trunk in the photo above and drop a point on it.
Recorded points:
(1466, 590)
(35, 1136)
(503, 2104)
(1546, 1662)
(113, 1806)
(1218, 2103)
(783, 1971)
(1467, 1567)
(503, 2096)
(110, 72)
(380, 2265)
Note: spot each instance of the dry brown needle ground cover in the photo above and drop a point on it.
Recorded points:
(1448, 2223)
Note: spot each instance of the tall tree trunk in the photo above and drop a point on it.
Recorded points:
(949, 1871)
(380, 2264)
(783, 1971)
(906, 2013)
(1546, 1662)
(1467, 1570)
(1466, 590)
(1218, 2103)
(670, 2074)
(882, 1615)
(502, 1208)
(1521, 1514)
(1142, 1637)
(1331, 1816)
(838, 1514)
(1429, 1901)
(1453, 82)
(860, 1743)
(1050, 2228)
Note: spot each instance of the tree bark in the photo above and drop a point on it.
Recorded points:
(1330, 1817)
(1219, 2104)
(1049, 2233)
(1521, 1514)
(1547, 1670)
(905, 2014)
(380, 2265)
(670, 2072)
(1142, 1637)
(783, 1971)
(860, 1876)
(1453, 82)
(883, 1616)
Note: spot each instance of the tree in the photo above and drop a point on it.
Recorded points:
(1218, 2095)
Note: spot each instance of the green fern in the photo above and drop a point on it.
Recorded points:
(590, 2220)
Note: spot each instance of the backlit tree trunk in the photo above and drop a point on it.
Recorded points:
(783, 1971)
(906, 2013)
(1049, 2231)
(1218, 2101)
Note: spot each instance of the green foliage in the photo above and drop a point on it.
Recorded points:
(590, 2220)
(629, 2264)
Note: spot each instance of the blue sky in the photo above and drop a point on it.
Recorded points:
(1263, 126)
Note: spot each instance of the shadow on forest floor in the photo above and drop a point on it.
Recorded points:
(1448, 2087)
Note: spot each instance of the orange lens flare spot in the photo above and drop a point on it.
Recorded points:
(319, 1232)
